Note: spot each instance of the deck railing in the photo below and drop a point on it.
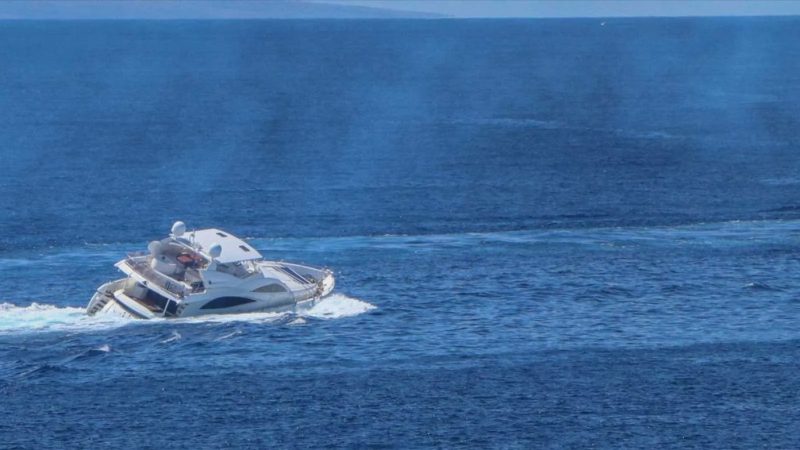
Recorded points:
(142, 267)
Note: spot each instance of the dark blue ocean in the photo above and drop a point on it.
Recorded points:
(546, 233)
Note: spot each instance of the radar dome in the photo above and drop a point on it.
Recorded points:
(154, 247)
(215, 250)
(178, 228)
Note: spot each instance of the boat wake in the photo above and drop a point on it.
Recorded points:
(43, 318)
(335, 306)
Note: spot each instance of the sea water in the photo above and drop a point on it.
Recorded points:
(545, 233)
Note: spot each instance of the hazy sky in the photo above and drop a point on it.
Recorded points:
(361, 9)
(192, 9)
(586, 8)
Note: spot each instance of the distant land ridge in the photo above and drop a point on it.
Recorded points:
(193, 9)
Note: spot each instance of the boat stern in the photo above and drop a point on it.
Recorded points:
(327, 283)
(104, 296)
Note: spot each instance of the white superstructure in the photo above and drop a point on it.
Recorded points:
(206, 271)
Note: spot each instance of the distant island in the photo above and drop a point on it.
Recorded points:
(194, 10)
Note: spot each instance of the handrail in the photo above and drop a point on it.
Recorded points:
(161, 280)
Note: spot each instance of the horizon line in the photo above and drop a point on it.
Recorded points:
(367, 19)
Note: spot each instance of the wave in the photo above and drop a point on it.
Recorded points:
(338, 306)
(335, 306)
(522, 122)
(174, 337)
(272, 245)
(783, 209)
(759, 286)
(510, 122)
(44, 318)
(232, 334)
(739, 231)
(781, 181)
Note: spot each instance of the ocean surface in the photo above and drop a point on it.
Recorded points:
(546, 233)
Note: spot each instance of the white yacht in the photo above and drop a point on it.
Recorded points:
(207, 272)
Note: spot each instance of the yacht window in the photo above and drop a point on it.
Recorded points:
(270, 288)
(221, 234)
(244, 247)
(236, 269)
(226, 302)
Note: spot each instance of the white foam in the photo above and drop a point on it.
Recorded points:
(228, 336)
(256, 317)
(334, 306)
(40, 317)
(338, 305)
(174, 337)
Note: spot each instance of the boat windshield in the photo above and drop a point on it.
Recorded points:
(239, 269)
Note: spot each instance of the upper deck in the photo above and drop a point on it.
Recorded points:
(139, 264)
(233, 248)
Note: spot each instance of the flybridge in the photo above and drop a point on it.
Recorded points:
(232, 248)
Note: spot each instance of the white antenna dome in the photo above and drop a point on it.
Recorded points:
(155, 248)
(178, 228)
(215, 250)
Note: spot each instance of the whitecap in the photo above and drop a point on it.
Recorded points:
(174, 337)
(337, 306)
(43, 317)
(38, 317)
(229, 335)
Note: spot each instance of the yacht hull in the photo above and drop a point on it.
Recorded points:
(110, 299)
